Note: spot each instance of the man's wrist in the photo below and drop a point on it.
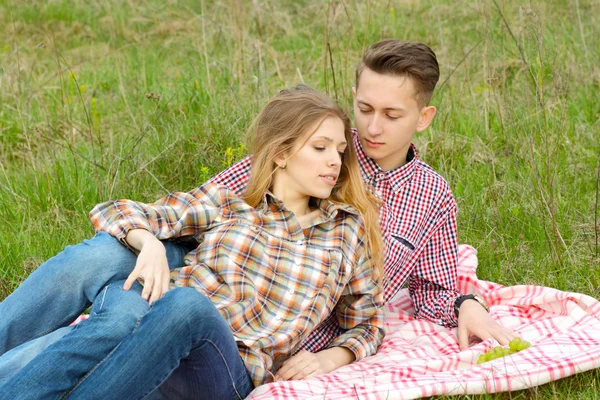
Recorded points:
(461, 299)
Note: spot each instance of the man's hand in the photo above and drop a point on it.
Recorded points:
(151, 267)
(474, 320)
(305, 364)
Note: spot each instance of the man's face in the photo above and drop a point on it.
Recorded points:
(387, 116)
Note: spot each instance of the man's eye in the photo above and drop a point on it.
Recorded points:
(319, 148)
(392, 117)
(364, 111)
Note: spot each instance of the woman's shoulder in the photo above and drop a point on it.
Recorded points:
(221, 195)
(348, 221)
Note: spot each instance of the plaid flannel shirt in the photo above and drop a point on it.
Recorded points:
(272, 280)
(418, 223)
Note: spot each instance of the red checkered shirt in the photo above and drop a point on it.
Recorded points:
(272, 280)
(418, 223)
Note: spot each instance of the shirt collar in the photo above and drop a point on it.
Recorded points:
(373, 172)
(328, 208)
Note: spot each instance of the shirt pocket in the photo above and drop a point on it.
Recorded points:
(323, 287)
(233, 252)
(399, 252)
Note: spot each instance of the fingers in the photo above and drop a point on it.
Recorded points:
(503, 335)
(297, 373)
(152, 272)
(463, 337)
(156, 291)
(301, 366)
(165, 285)
(288, 368)
(160, 287)
(148, 287)
(314, 373)
(130, 279)
(148, 284)
(485, 330)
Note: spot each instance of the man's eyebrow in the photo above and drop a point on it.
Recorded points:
(364, 103)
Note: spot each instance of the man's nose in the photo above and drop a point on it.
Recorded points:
(374, 127)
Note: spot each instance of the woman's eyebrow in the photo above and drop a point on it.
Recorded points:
(330, 140)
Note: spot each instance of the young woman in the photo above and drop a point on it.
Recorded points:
(262, 272)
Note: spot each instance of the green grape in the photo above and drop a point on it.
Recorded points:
(514, 344)
(498, 352)
(523, 345)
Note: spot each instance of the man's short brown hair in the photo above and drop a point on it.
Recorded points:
(414, 60)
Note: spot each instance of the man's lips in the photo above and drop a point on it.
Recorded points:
(373, 144)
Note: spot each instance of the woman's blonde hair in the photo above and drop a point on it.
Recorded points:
(285, 120)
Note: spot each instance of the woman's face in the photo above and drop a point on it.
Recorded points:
(314, 166)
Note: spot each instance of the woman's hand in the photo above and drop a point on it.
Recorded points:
(305, 364)
(151, 267)
(474, 320)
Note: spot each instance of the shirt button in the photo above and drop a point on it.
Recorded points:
(255, 228)
(381, 176)
(291, 292)
(299, 242)
(297, 263)
(279, 317)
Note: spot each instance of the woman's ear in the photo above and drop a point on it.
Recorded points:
(281, 160)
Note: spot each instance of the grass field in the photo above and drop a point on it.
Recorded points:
(111, 99)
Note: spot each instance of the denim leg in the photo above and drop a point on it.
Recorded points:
(61, 365)
(65, 285)
(14, 360)
(182, 346)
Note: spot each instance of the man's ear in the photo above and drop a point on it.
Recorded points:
(354, 92)
(427, 114)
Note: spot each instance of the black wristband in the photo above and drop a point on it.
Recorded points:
(461, 299)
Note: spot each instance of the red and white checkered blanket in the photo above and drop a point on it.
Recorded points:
(419, 359)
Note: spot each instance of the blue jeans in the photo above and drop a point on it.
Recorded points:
(52, 297)
(17, 358)
(181, 349)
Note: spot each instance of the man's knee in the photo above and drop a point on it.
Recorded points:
(186, 306)
(120, 308)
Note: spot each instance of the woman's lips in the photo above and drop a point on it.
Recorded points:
(329, 179)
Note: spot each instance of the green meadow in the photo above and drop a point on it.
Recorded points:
(114, 99)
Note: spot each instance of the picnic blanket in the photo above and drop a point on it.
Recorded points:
(420, 359)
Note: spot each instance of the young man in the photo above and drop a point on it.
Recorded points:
(394, 84)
